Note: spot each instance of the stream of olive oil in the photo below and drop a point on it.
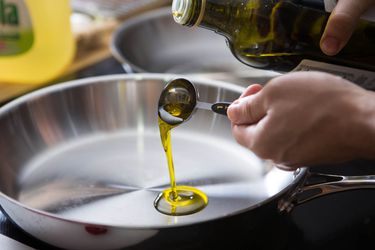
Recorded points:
(176, 200)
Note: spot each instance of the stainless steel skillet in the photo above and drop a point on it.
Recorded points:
(81, 164)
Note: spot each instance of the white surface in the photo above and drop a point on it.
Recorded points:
(10, 244)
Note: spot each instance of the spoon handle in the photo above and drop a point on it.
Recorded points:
(220, 107)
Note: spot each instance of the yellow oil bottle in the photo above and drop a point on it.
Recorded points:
(36, 41)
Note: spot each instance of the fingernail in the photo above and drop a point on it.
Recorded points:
(235, 102)
(232, 110)
(330, 45)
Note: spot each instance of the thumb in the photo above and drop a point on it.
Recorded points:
(247, 110)
(341, 24)
(252, 89)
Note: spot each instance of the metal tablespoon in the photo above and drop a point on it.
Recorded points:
(178, 100)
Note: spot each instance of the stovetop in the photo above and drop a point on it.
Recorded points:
(343, 220)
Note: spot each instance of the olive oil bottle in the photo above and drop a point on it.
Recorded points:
(277, 34)
(36, 41)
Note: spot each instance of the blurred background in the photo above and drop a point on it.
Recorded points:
(129, 36)
(92, 24)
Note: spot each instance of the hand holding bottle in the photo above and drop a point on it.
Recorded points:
(342, 23)
(306, 118)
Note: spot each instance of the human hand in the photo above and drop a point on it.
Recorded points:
(341, 24)
(305, 118)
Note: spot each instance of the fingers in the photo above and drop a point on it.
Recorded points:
(244, 134)
(247, 110)
(251, 90)
(341, 24)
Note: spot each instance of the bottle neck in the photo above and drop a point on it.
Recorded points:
(210, 14)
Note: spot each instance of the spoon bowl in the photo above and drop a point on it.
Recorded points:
(179, 99)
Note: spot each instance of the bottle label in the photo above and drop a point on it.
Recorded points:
(369, 15)
(16, 33)
(363, 78)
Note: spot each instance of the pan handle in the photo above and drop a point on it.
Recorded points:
(315, 185)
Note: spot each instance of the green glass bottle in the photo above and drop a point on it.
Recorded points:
(276, 34)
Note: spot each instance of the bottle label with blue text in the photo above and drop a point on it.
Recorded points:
(363, 78)
(16, 32)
